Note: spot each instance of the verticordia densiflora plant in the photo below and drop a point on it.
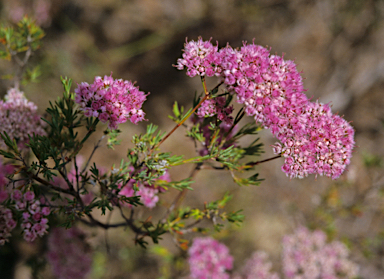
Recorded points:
(43, 178)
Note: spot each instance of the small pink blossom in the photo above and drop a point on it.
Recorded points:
(257, 267)
(68, 253)
(7, 224)
(199, 58)
(19, 118)
(29, 196)
(16, 195)
(307, 254)
(113, 101)
(209, 259)
(46, 211)
(148, 193)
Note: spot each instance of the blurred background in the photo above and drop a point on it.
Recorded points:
(339, 46)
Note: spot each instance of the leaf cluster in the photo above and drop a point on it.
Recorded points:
(27, 35)
(186, 219)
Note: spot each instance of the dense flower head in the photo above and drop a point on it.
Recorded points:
(269, 87)
(111, 100)
(34, 220)
(7, 224)
(307, 255)
(68, 253)
(33, 213)
(257, 267)
(19, 118)
(209, 259)
(312, 139)
(148, 193)
(198, 58)
(324, 147)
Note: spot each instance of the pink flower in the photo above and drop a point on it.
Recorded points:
(209, 259)
(307, 254)
(46, 211)
(217, 107)
(313, 140)
(3, 195)
(68, 253)
(148, 193)
(111, 100)
(199, 58)
(258, 267)
(29, 196)
(19, 118)
(16, 195)
(323, 147)
(7, 224)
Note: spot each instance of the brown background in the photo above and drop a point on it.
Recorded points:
(339, 46)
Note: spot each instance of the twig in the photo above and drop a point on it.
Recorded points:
(181, 195)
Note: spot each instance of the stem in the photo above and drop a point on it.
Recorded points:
(21, 63)
(206, 96)
(180, 123)
(251, 164)
(49, 185)
(97, 145)
(181, 195)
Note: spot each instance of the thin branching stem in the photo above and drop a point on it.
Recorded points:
(176, 203)
(251, 164)
(97, 145)
(206, 97)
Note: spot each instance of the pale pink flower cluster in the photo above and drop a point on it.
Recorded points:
(38, 9)
(217, 107)
(324, 147)
(257, 267)
(307, 255)
(19, 118)
(199, 58)
(209, 259)
(33, 222)
(148, 193)
(271, 90)
(68, 253)
(7, 224)
(111, 100)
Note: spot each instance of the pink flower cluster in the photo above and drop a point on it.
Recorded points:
(68, 253)
(199, 58)
(307, 255)
(19, 118)
(324, 147)
(34, 221)
(7, 224)
(148, 193)
(258, 267)
(217, 107)
(112, 101)
(271, 90)
(209, 259)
